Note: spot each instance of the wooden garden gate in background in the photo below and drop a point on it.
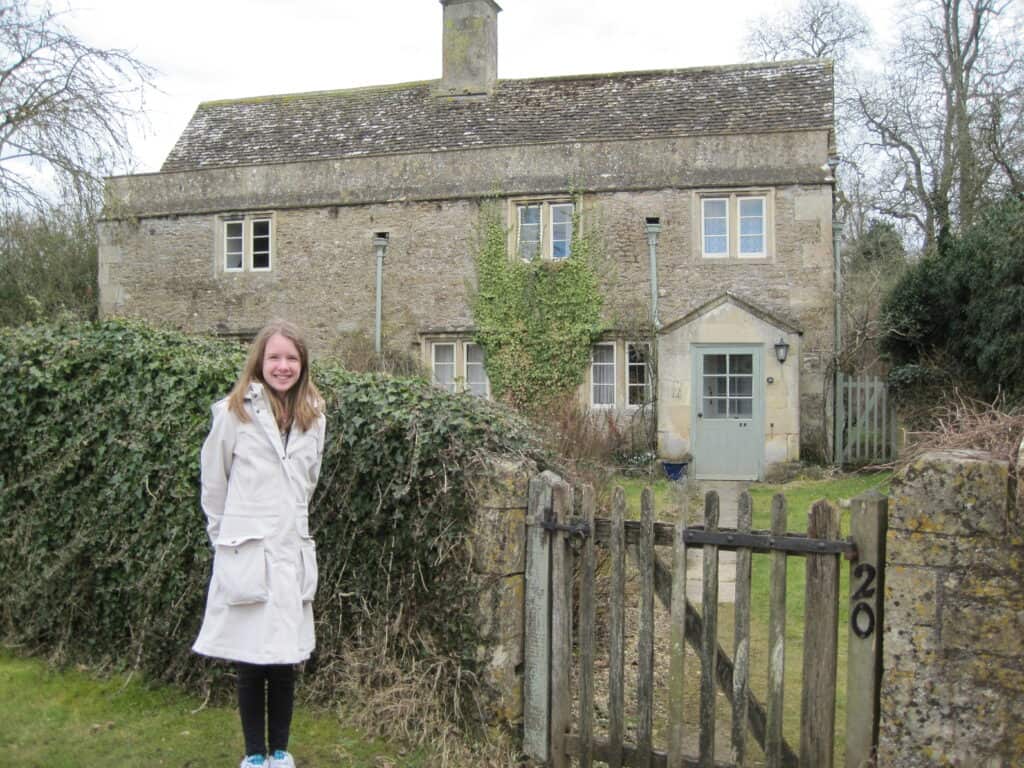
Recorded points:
(561, 557)
(865, 431)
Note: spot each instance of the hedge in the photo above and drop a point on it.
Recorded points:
(104, 557)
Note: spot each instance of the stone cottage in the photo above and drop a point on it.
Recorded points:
(356, 213)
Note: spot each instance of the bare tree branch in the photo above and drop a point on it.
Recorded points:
(66, 108)
(946, 114)
(814, 29)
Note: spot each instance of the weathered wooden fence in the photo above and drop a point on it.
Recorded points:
(865, 427)
(559, 723)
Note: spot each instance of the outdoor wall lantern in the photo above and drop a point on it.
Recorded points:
(781, 350)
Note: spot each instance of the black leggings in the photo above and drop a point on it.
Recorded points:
(266, 689)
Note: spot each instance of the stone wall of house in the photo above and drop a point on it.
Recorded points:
(501, 494)
(161, 249)
(953, 644)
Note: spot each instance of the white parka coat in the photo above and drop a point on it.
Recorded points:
(255, 494)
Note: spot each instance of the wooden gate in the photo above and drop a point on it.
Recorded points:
(865, 427)
(559, 681)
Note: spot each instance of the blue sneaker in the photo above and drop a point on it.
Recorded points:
(253, 760)
(281, 759)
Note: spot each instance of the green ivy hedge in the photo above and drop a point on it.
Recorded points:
(103, 551)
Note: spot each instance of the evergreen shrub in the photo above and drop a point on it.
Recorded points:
(960, 312)
(104, 557)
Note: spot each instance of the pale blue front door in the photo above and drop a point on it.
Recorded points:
(728, 436)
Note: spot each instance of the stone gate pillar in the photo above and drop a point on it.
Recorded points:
(500, 491)
(953, 643)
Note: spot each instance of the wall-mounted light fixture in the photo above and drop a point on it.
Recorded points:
(781, 350)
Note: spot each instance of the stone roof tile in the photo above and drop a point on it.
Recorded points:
(410, 117)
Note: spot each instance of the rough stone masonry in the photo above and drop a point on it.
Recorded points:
(953, 643)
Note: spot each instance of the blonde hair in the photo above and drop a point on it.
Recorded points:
(302, 404)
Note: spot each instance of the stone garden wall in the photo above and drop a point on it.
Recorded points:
(501, 494)
(953, 644)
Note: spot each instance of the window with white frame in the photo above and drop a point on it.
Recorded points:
(247, 243)
(715, 227)
(528, 237)
(734, 226)
(444, 365)
(458, 366)
(602, 375)
(638, 373)
(260, 243)
(234, 246)
(544, 229)
(476, 375)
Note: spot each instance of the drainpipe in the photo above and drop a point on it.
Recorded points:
(380, 242)
(837, 232)
(653, 227)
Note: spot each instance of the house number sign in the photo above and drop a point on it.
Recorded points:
(862, 616)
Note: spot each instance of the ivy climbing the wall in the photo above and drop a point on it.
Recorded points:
(535, 320)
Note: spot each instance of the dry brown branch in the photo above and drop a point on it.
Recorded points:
(963, 423)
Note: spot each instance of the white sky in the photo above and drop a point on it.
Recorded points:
(222, 49)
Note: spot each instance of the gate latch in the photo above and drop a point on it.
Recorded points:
(573, 528)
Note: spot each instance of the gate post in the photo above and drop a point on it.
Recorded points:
(868, 522)
(537, 629)
(838, 419)
(561, 624)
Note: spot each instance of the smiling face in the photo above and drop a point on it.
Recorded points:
(282, 364)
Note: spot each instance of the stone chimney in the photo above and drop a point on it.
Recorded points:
(470, 47)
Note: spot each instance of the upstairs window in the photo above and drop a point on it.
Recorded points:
(234, 242)
(715, 227)
(751, 226)
(544, 229)
(561, 230)
(261, 244)
(734, 226)
(247, 243)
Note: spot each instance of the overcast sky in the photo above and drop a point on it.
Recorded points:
(222, 49)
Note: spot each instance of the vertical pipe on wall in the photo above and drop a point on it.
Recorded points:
(380, 243)
(652, 225)
(837, 231)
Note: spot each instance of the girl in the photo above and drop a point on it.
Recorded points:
(259, 467)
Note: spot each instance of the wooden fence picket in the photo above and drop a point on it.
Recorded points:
(566, 545)
(616, 661)
(741, 637)
(709, 637)
(561, 626)
(776, 639)
(586, 635)
(821, 601)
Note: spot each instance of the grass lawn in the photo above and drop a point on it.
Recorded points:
(800, 496)
(71, 719)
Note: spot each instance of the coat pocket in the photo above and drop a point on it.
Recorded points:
(240, 568)
(310, 573)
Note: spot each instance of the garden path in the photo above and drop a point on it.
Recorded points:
(728, 500)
